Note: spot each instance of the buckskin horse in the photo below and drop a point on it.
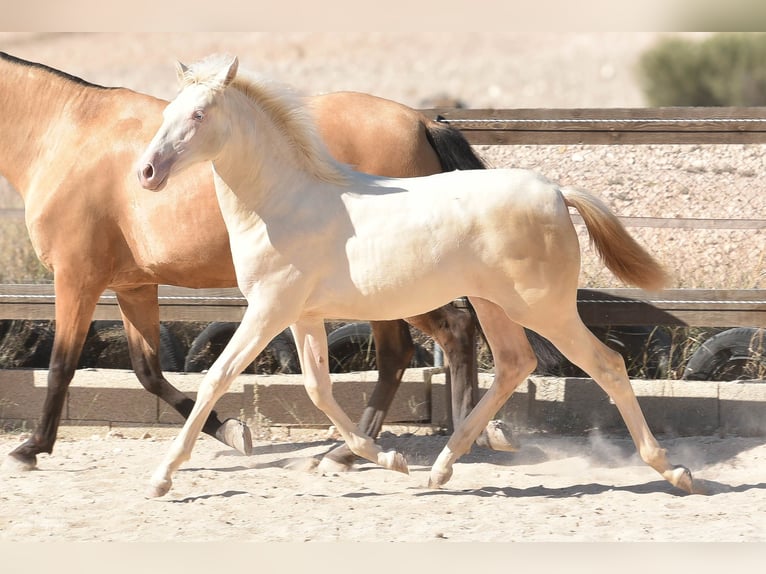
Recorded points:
(313, 239)
(69, 147)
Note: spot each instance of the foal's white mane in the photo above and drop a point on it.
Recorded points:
(283, 106)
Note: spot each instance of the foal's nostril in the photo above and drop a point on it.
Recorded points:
(148, 171)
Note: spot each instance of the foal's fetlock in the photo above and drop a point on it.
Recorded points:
(393, 460)
(236, 434)
(497, 436)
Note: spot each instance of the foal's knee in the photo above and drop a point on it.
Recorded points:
(215, 383)
(320, 395)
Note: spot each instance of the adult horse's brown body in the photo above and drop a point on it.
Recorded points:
(69, 148)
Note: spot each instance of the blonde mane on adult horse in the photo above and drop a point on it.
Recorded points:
(366, 247)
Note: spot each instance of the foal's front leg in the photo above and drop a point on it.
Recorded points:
(257, 328)
(141, 316)
(393, 350)
(311, 342)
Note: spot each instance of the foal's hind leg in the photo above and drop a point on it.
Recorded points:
(311, 342)
(514, 360)
(394, 350)
(140, 314)
(455, 330)
(607, 368)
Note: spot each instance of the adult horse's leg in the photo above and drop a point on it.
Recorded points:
(140, 314)
(514, 360)
(75, 305)
(394, 350)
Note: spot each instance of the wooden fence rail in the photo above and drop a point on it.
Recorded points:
(692, 307)
(591, 126)
(689, 307)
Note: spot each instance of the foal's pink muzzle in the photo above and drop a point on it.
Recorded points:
(150, 178)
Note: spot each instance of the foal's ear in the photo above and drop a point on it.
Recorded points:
(230, 73)
(181, 72)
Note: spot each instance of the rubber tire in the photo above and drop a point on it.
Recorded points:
(106, 347)
(632, 342)
(723, 356)
(26, 343)
(352, 348)
(207, 346)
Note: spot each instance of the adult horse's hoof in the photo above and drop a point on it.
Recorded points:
(439, 478)
(13, 463)
(234, 433)
(497, 436)
(393, 460)
(20, 459)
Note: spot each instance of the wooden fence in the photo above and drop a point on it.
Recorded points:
(689, 307)
(692, 307)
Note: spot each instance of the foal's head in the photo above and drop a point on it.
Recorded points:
(196, 124)
(192, 128)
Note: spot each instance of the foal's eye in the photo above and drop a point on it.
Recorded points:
(198, 115)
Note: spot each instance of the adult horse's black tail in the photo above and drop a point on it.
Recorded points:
(455, 152)
(452, 148)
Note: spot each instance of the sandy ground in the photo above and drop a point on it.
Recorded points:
(554, 489)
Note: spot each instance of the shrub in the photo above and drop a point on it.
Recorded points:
(726, 69)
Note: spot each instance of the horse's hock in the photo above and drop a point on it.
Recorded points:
(111, 398)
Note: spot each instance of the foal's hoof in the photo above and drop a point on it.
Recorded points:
(234, 433)
(439, 478)
(393, 460)
(328, 465)
(159, 488)
(497, 436)
(339, 459)
(681, 477)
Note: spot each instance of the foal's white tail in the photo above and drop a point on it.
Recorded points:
(622, 255)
